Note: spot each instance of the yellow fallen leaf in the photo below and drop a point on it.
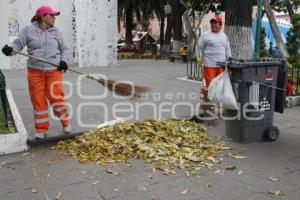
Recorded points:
(84, 161)
(96, 182)
(49, 162)
(58, 196)
(209, 185)
(26, 154)
(225, 148)
(273, 178)
(33, 190)
(236, 156)
(219, 171)
(52, 148)
(230, 167)
(208, 165)
(213, 159)
(112, 172)
(184, 191)
(276, 192)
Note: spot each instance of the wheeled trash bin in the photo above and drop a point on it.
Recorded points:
(259, 87)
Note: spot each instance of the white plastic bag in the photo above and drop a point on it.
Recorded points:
(220, 91)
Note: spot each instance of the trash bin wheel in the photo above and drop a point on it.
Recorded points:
(272, 133)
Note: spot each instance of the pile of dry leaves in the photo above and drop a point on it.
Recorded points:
(166, 144)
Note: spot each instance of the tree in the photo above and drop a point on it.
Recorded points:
(168, 35)
(239, 21)
(275, 30)
(271, 51)
(288, 6)
(238, 27)
(192, 28)
(262, 47)
(293, 41)
(177, 11)
(140, 10)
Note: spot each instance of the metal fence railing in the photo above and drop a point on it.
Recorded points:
(193, 69)
(294, 79)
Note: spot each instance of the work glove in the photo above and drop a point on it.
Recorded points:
(199, 60)
(7, 50)
(63, 66)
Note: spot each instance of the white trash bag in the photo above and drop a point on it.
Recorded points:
(220, 91)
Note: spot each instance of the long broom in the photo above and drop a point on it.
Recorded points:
(122, 88)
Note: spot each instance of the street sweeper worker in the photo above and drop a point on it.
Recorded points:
(213, 46)
(45, 41)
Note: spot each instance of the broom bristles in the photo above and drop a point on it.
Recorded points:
(124, 88)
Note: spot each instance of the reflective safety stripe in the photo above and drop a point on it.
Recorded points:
(59, 109)
(64, 116)
(37, 121)
(41, 112)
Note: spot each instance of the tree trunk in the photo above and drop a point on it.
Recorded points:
(238, 27)
(190, 33)
(289, 8)
(274, 28)
(177, 25)
(162, 31)
(128, 21)
(192, 29)
(168, 35)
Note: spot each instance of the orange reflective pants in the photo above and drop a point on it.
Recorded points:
(43, 86)
(210, 73)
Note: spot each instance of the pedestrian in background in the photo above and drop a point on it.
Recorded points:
(45, 41)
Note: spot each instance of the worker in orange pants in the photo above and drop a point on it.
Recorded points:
(213, 47)
(45, 86)
(211, 72)
(44, 40)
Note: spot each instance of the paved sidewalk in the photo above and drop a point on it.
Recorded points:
(49, 172)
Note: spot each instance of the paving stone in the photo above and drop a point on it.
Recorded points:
(280, 158)
(78, 191)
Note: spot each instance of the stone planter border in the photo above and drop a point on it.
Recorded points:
(14, 142)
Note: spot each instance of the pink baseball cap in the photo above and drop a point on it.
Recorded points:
(43, 10)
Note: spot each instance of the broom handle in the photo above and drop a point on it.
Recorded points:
(48, 62)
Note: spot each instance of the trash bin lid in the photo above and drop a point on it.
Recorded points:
(251, 63)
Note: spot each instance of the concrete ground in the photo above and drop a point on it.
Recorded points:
(44, 173)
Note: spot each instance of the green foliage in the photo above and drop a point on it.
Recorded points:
(293, 41)
(262, 43)
(270, 51)
(3, 124)
(281, 5)
(278, 5)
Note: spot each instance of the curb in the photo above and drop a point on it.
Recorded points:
(14, 142)
(189, 80)
(293, 101)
